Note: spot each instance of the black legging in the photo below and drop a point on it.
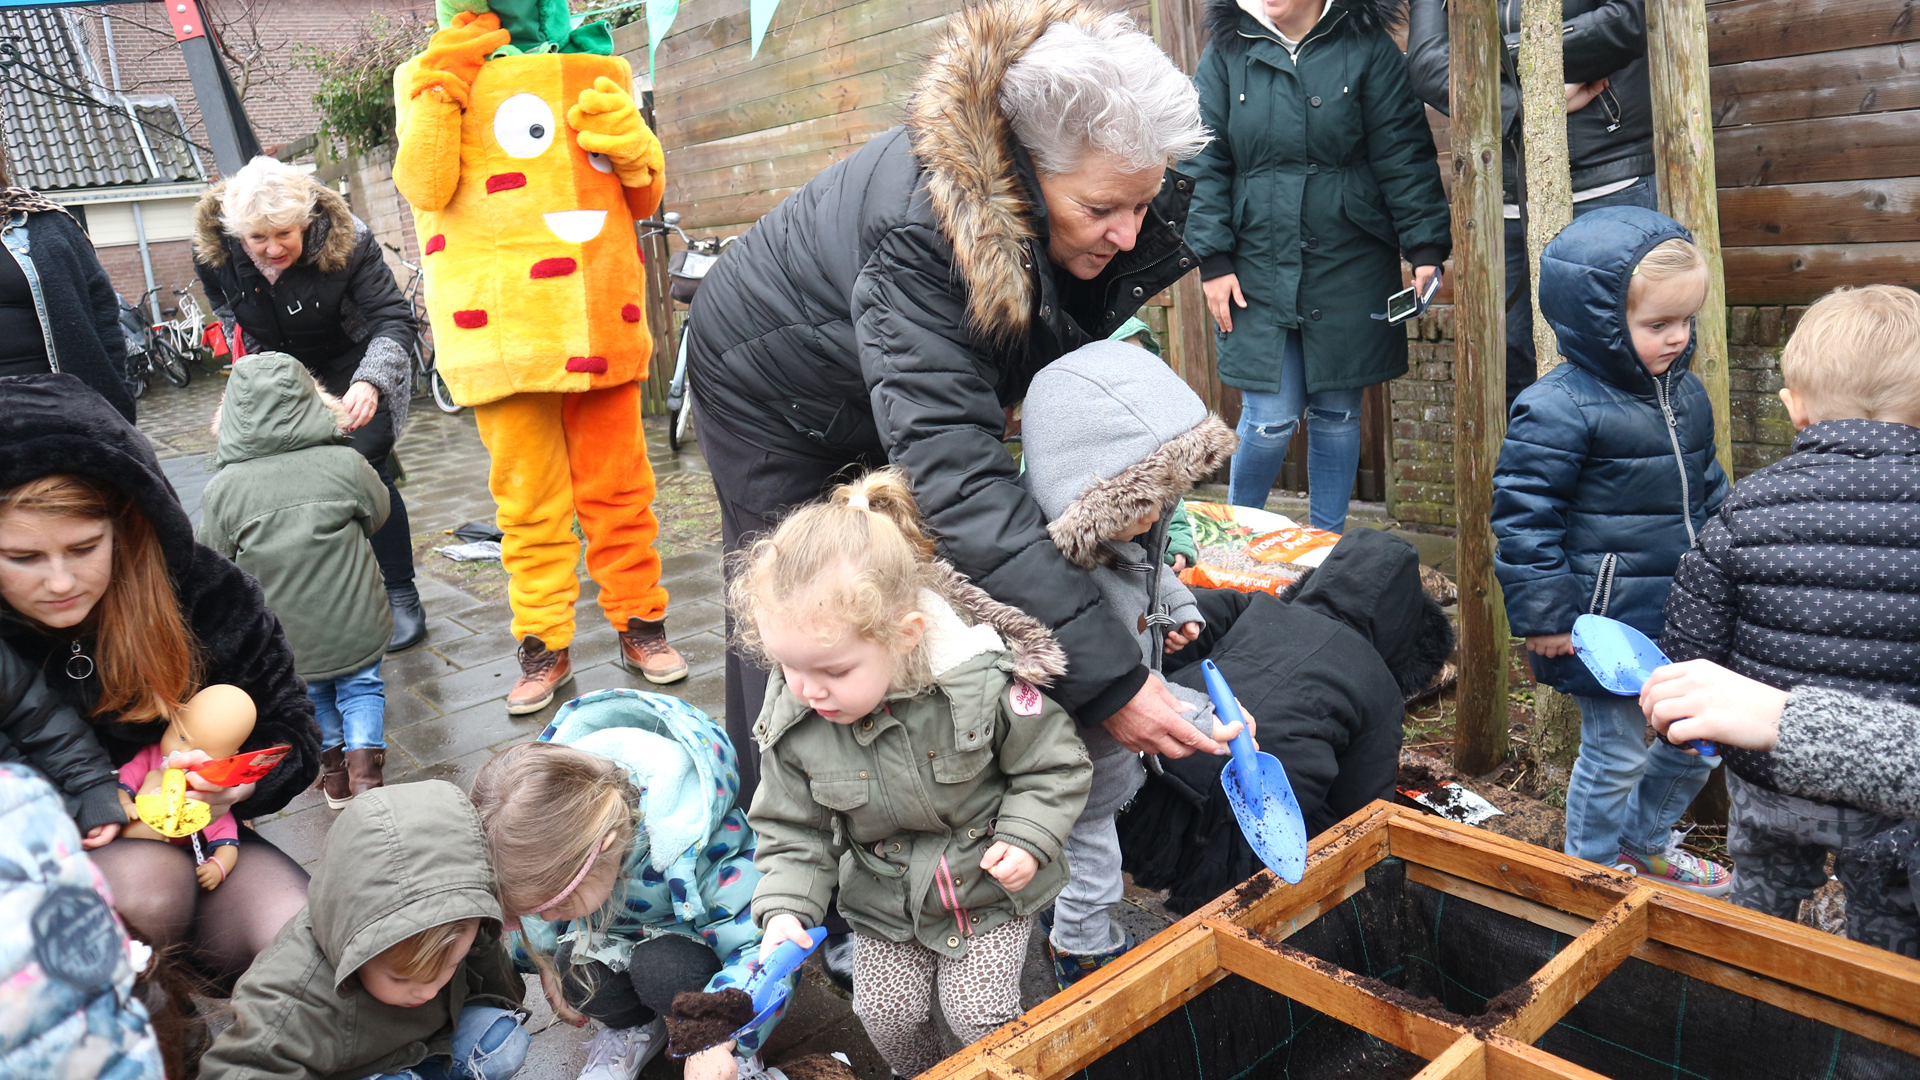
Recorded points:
(660, 967)
(223, 929)
(393, 543)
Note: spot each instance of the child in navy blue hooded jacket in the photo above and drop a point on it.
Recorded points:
(1606, 475)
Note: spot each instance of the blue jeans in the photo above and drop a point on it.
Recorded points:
(1624, 793)
(351, 710)
(1520, 359)
(488, 1044)
(1267, 423)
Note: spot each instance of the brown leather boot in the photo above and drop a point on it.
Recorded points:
(333, 778)
(542, 670)
(364, 769)
(644, 649)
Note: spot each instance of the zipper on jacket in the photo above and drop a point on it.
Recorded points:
(1603, 585)
(1294, 53)
(1662, 388)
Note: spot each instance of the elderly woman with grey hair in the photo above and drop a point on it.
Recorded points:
(288, 268)
(895, 308)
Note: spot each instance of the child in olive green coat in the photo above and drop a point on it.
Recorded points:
(904, 727)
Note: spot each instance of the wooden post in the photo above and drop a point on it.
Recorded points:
(1543, 108)
(1683, 155)
(1177, 29)
(1479, 377)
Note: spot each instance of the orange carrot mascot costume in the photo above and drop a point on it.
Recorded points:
(527, 164)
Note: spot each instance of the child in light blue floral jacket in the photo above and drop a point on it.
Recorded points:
(616, 841)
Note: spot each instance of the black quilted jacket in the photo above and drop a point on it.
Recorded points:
(1810, 573)
(53, 423)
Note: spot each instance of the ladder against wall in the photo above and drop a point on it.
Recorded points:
(1415, 947)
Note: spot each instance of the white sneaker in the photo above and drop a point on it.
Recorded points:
(620, 1053)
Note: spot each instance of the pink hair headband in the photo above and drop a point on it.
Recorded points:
(512, 922)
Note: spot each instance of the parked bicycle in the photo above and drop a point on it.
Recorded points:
(180, 336)
(426, 377)
(150, 348)
(686, 268)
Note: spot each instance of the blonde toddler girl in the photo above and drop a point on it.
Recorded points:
(907, 756)
(621, 856)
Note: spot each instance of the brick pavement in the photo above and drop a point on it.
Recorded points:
(445, 700)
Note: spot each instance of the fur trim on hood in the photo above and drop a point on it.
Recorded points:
(331, 217)
(965, 142)
(1223, 16)
(1037, 658)
(1151, 485)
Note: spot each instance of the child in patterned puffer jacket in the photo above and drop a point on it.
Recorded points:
(68, 1006)
(1807, 578)
(617, 845)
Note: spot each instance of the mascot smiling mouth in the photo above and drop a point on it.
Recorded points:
(576, 226)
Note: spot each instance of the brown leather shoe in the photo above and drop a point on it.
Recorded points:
(333, 778)
(644, 649)
(542, 670)
(364, 769)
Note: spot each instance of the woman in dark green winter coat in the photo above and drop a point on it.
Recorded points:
(1321, 175)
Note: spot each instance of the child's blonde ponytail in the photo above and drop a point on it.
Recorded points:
(886, 492)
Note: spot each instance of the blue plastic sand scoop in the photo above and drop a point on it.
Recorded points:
(1622, 659)
(1257, 789)
(768, 984)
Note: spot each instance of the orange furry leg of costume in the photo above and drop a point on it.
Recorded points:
(613, 495)
(532, 485)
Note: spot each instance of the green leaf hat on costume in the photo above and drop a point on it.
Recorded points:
(537, 26)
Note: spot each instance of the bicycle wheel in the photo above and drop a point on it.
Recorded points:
(442, 396)
(136, 386)
(172, 365)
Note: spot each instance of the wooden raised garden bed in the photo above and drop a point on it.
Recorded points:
(1417, 947)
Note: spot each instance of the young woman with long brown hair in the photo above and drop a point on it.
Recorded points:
(103, 588)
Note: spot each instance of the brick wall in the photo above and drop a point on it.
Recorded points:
(1420, 403)
(172, 268)
(266, 34)
(368, 182)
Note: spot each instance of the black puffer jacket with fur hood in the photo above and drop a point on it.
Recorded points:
(893, 307)
(53, 423)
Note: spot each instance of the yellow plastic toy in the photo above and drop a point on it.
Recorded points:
(216, 721)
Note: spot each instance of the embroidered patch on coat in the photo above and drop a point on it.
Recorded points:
(75, 938)
(1023, 698)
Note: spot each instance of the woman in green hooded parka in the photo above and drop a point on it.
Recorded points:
(1321, 175)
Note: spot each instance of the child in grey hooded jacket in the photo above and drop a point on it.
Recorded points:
(1113, 439)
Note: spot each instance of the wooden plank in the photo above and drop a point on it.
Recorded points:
(775, 75)
(1790, 998)
(1533, 873)
(1876, 78)
(1509, 1059)
(1479, 379)
(885, 86)
(1745, 30)
(811, 31)
(821, 133)
(1799, 956)
(1112, 1005)
(1573, 973)
(1466, 1059)
(1325, 987)
(1810, 151)
(765, 174)
(1843, 212)
(1336, 856)
(1801, 275)
(1684, 146)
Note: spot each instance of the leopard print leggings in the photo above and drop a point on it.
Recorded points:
(894, 981)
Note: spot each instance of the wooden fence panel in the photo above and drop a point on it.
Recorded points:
(1742, 30)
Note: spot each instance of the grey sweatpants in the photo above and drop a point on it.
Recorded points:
(1780, 843)
(1083, 912)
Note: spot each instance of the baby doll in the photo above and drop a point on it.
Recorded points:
(214, 721)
